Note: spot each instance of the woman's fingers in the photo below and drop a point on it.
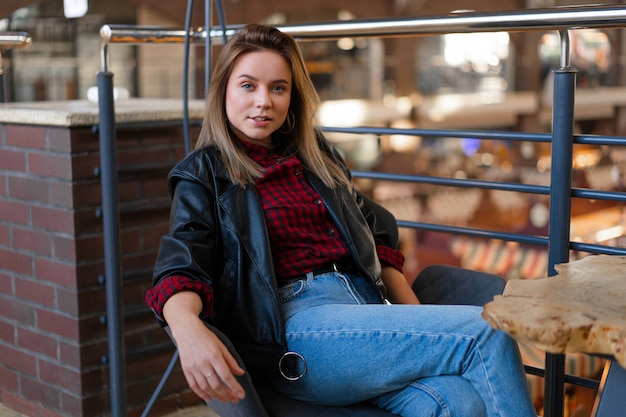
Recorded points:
(210, 368)
(210, 385)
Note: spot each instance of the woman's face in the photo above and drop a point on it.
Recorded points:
(258, 94)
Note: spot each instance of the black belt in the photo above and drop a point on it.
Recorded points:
(345, 265)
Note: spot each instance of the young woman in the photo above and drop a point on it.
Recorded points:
(271, 244)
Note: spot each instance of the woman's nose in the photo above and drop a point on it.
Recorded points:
(263, 99)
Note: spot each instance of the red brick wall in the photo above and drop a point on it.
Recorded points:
(53, 335)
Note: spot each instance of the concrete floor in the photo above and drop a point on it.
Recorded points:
(196, 411)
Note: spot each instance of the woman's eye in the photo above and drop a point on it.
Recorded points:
(246, 86)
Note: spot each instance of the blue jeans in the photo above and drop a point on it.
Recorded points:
(427, 360)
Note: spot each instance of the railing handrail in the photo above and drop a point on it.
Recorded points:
(15, 40)
(557, 18)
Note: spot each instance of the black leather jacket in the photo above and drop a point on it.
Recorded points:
(218, 235)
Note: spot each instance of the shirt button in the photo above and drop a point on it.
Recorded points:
(331, 231)
(318, 201)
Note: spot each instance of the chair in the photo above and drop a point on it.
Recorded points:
(437, 284)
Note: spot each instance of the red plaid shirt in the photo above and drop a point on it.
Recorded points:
(302, 236)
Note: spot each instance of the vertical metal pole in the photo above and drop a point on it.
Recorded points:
(208, 4)
(111, 226)
(2, 92)
(560, 207)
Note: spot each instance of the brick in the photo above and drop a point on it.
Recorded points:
(37, 391)
(155, 335)
(84, 166)
(87, 194)
(26, 136)
(50, 413)
(92, 379)
(19, 404)
(6, 284)
(62, 194)
(14, 358)
(91, 329)
(93, 405)
(138, 261)
(155, 187)
(7, 332)
(84, 139)
(34, 241)
(59, 139)
(142, 156)
(29, 189)
(188, 399)
(89, 273)
(50, 218)
(87, 221)
(14, 212)
(134, 292)
(16, 262)
(3, 184)
(128, 190)
(172, 137)
(59, 375)
(16, 310)
(86, 355)
(127, 138)
(36, 292)
(69, 354)
(37, 342)
(58, 324)
(152, 234)
(67, 301)
(54, 271)
(133, 337)
(93, 301)
(5, 236)
(156, 214)
(90, 247)
(8, 380)
(130, 240)
(50, 165)
(136, 392)
(64, 248)
(11, 160)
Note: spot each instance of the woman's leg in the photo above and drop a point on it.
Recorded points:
(357, 352)
(445, 396)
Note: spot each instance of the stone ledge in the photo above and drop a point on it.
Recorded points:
(74, 113)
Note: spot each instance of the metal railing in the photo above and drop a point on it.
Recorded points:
(11, 40)
(562, 139)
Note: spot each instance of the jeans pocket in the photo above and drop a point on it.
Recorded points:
(291, 291)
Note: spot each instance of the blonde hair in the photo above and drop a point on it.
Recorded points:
(299, 125)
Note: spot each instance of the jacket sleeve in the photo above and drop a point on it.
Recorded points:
(188, 250)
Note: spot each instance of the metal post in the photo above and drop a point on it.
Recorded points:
(560, 207)
(2, 93)
(112, 257)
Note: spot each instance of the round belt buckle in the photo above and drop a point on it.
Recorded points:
(295, 365)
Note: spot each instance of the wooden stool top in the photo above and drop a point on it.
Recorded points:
(581, 309)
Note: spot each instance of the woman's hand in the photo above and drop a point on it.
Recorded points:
(207, 364)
